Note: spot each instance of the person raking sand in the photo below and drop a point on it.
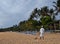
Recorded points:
(42, 30)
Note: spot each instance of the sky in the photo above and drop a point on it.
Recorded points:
(14, 11)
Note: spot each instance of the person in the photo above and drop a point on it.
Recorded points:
(42, 30)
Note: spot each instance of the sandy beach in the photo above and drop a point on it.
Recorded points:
(20, 38)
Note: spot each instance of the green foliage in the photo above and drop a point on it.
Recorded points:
(45, 20)
(28, 25)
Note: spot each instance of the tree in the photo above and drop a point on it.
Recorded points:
(45, 15)
(45, 20)
(33, 14)
(57, 6)
(53, 12)
(44, 11)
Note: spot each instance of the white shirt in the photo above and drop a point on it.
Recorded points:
(42, 30)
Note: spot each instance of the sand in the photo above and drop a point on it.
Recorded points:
(20, 38)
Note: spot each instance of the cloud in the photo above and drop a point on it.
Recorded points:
(14, 11)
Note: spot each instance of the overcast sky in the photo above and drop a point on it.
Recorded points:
(14, 11)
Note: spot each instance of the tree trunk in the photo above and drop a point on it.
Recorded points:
(59, 25)
(54, 26)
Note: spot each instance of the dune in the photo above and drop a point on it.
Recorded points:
(20, 38)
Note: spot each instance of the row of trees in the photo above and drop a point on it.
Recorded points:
(13, 28)
(45, 15)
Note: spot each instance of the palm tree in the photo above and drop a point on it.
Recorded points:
(39, 12)
(52, 14)
(43, 11)
(57, 7)
(33, 14)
